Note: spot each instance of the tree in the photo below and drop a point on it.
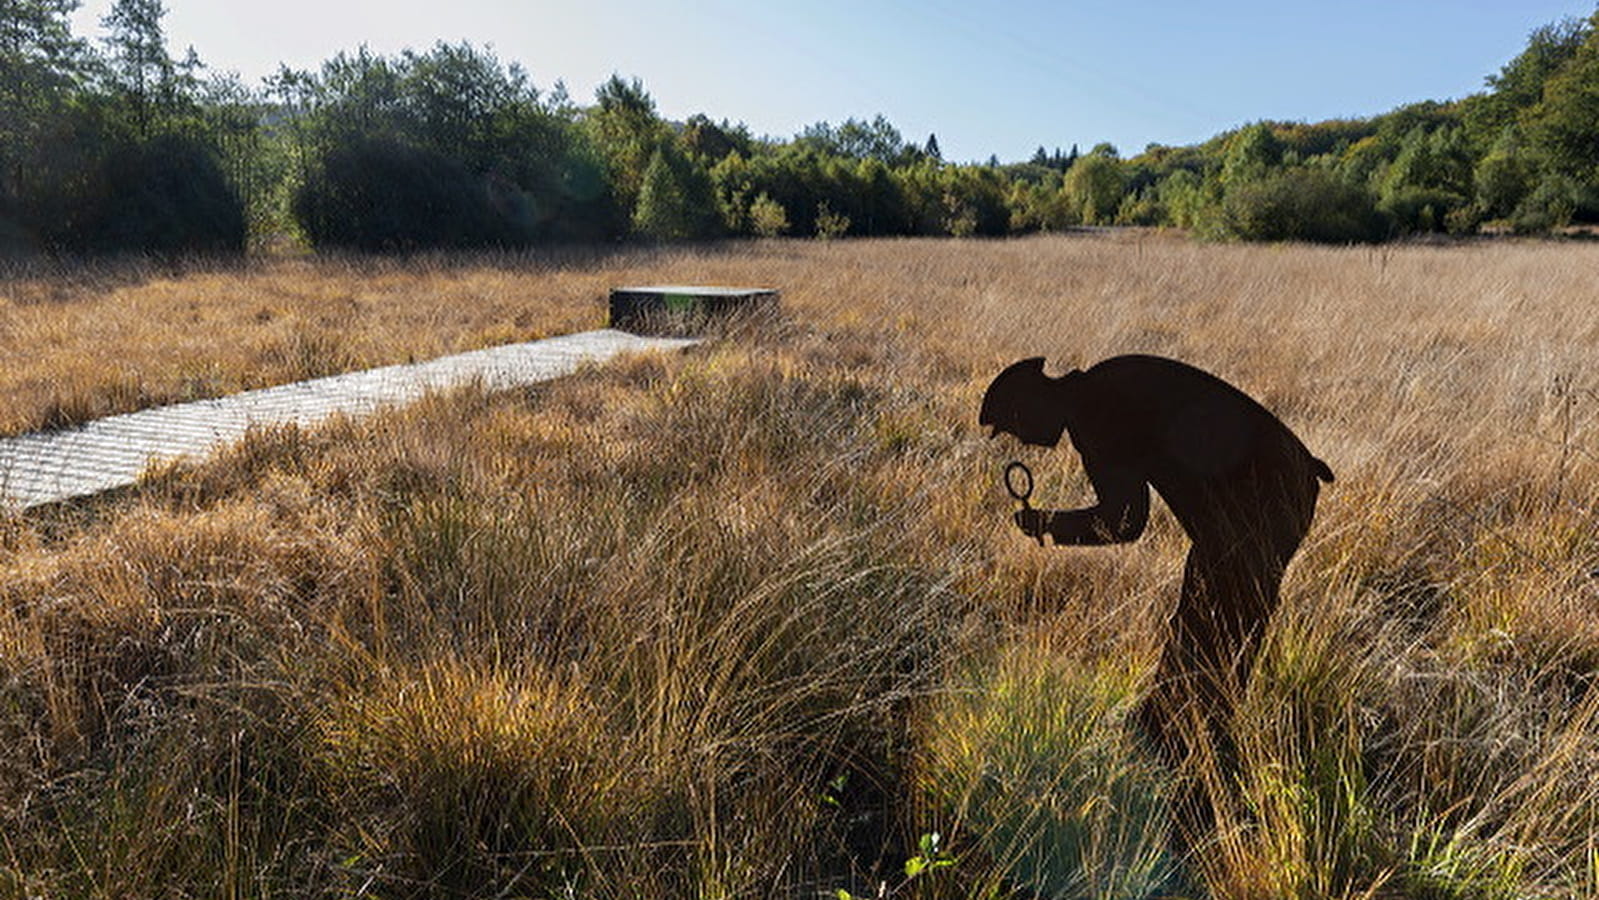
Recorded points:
(1439, 159)
(1550, 205)
(713, 142)
(855, 139)
(40, 62)
(1301, 204)
(1520, 84)
(1565, 122)
(463, 102)
(1548, 48)
(1094, 188)
(165, 196)
(403, 133)
(768, 218)
(378, 194)
(1429, 181)
(1252, 152)
(830, 224)
(879, 206)
(676, 201)
(627, 131)
(973, 201)
(1189, 200)
(1504, 177)
(155, 89)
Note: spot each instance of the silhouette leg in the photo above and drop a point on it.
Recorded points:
(1226, 602)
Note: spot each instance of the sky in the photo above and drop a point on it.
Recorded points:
(988, 78)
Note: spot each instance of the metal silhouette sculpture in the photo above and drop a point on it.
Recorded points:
(1019, 483)
(1239, 482)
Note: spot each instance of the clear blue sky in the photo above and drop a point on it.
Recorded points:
(988, 78)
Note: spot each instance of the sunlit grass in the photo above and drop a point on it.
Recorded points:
(752, 620)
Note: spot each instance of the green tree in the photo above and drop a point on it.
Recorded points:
(922, 187)
(1094, 187)
(256, 158)
(1301, 204)
(676, 201)
(1550, 205)
(40, 64)
(1038, 205)
(856, 139)
(1252, 152)
(1548, 48)
(1430, 182)
(713, 142)
(830, 224)
(1520, 84)
(1189, 199)
(974, 201)
(1565, 122)
(1361, 162)
(156, 92)
(1439, 160)
(768, 218)
(627, 131)
(1504, 177)
(879, 206)
(386, 139)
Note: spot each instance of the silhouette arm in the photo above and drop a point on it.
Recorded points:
(1118, 517)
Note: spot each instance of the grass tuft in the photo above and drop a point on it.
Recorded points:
(752, 620)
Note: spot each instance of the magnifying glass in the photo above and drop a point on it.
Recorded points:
(1019, 482)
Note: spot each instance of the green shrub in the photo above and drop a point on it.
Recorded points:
(164, 196)
(1301, 205)
(676, 200)
(1550, 205)
(167, 195)
(377, 195)
(830, 224)
(768, 218)
(1140, 209)
(1421, 209)
(1094, 188)
(1502, 181)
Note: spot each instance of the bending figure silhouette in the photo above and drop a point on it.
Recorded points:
(1239, 482)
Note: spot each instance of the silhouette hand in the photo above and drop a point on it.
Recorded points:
(1033, 522)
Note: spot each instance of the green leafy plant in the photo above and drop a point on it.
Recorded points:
(768, 218)
(930, 857)
(829, 224)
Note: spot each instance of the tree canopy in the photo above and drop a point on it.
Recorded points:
(118, 145)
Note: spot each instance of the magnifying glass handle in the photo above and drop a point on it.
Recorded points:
(1024, 491)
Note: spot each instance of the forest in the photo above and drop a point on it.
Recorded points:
(120, 146)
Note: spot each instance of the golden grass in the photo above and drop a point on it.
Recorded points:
(749, 620)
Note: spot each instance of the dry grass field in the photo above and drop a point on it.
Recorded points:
(752, 620)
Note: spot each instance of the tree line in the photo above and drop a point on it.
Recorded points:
(120, 146)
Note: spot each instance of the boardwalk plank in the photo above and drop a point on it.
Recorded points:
(49, 467)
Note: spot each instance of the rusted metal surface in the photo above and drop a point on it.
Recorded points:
(658, 308)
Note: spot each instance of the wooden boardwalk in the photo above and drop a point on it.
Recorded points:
(48, 467)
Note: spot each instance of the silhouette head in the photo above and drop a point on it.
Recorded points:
(1024, 402)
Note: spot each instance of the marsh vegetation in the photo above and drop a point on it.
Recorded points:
(752, 620)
